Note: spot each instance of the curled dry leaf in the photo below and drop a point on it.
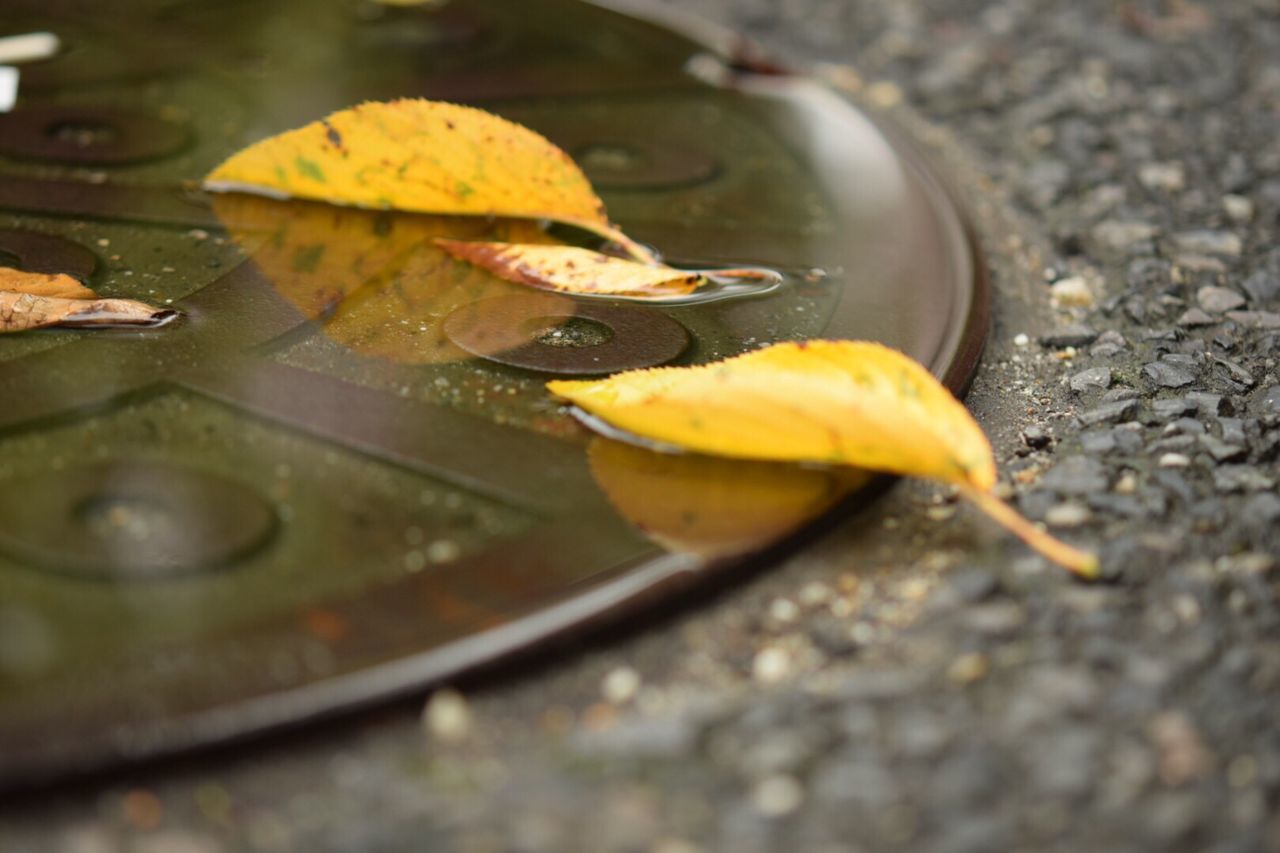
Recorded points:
(710, 506)
(573, 270)
(833, 402)
(426, 157)
(22, 311)
(43, 284)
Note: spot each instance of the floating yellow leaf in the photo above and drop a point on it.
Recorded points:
(58, 285)
(833, 402)
(573, 270)
(426, 157)
(710, 506)
(22, 311)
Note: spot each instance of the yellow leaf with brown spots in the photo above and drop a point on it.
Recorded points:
(852, 403)
(573, 270)
(58, 285)
(425, 157)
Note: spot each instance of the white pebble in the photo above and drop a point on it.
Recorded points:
(1071, 292)
(1021, 340)
(447, 715)
(1239, 208)
(771, 665)
(1067, 515)
(620, 685)
(777, 796)
(1174, 460)
(783, 610)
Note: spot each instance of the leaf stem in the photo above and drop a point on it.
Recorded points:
(636, 250)
(753, 273)
(1082, 563)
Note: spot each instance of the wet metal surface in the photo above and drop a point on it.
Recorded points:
(339, 478)
(46, 253)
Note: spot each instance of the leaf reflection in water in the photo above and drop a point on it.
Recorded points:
(374, 279)
(714, 507)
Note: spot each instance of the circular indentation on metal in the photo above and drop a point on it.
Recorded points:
(573, 332)
(131, 521)
(592, 339)
(45, 253)
(88, 135)
(642, 165)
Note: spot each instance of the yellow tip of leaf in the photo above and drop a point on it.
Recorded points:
(1082, 563)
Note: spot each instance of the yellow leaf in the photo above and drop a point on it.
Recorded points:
(58, 285)
(425, 157)
(714, 507)
(23, 311)
(833, 402)
(573, 270)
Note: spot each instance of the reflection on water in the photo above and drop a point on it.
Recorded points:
(374, 279)
(714, 507)
(379, 285)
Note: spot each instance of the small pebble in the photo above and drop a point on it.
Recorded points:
(1036, 437)
(940, 513)
(1127, 484)
(1121, 235)
(1071, 292)
(1219, 300)
(1095, 378)
(771, 665)
(1194, 318)
(1174, 460)
(783, 610)
(1168, 374)
(777, 796)
(620, 685)
(814, 594)
(1238, 208)
(447, 715)
(1067, 515)
(1021, 340)
(1208, 242)
(968, 668)
(1069, 336)
(1169, 177)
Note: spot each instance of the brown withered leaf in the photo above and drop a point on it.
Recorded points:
(573, 270)
(711, 506)
(22, 311)
(836, 402)
(43, 284)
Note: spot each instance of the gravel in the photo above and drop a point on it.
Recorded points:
(952, 692)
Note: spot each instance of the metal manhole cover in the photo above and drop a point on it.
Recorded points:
(328, 484)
